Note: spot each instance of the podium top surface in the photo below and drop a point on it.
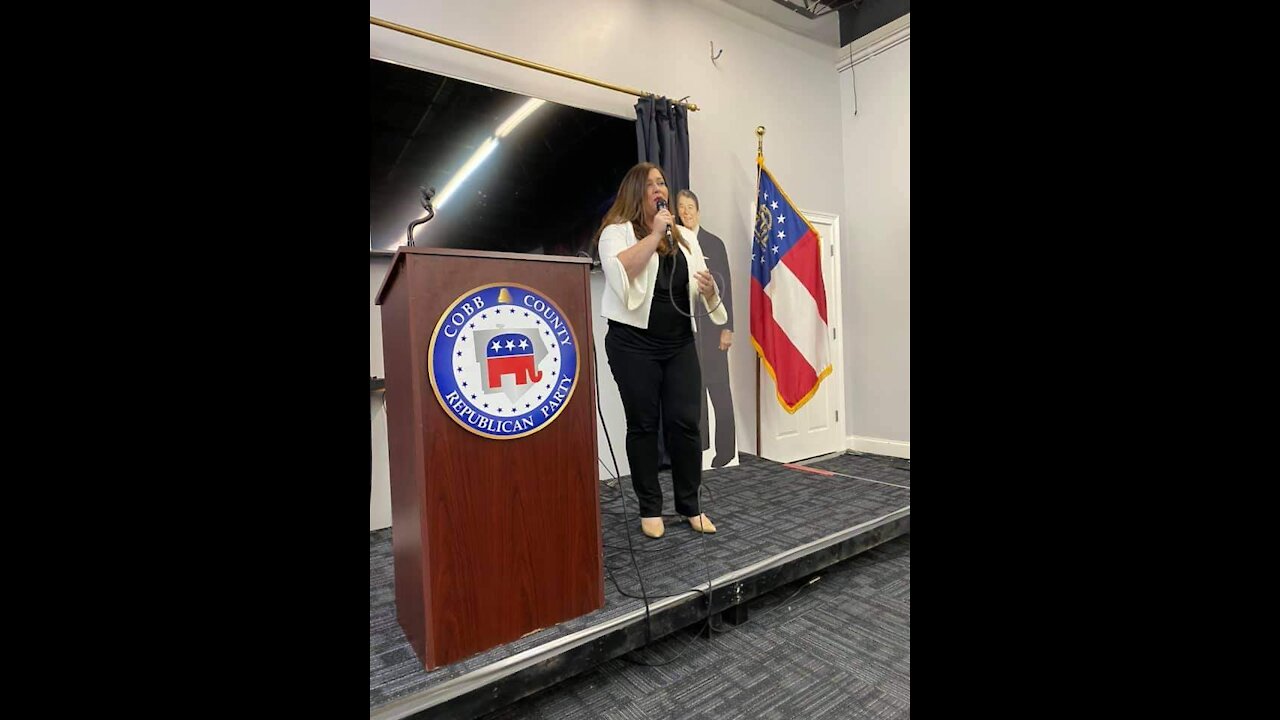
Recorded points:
(403, 251)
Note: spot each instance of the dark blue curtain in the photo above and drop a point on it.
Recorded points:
(662, 138)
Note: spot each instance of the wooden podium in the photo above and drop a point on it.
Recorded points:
(495, 498)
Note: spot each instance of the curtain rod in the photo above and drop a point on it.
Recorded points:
(518, 61)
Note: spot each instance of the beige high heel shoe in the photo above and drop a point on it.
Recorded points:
(701, 524)
(652, 527)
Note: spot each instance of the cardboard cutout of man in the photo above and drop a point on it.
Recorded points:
(713, 340)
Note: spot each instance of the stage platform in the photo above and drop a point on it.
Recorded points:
(777, 523)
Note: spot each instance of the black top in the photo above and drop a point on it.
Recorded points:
(669, 329)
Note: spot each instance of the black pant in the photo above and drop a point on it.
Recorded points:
(669, 385)
(715, 373)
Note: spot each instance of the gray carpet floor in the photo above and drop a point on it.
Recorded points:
(876, 468)
(762, 508)
(837, 648)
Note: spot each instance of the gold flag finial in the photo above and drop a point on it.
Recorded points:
(504, 297)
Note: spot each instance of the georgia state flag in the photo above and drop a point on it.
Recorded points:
(788, 300)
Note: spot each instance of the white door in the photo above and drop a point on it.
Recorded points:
(817, 428)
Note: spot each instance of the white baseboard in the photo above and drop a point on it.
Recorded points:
(880, 446)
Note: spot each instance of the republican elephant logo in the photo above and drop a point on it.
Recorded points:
(511, 354)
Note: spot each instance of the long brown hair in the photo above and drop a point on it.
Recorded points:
(629, 207)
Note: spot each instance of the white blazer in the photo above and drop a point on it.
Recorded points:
(629, 301)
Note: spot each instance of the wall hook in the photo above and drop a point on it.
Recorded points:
(715, 55)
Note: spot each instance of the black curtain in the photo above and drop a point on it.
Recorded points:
(662, 138)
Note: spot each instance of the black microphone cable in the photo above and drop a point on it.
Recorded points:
(706, 625)
(671, 243)
(644, 595)
(595, 369)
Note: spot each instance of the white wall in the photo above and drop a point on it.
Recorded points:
(876, 265)
(380, 496)
(766, 76)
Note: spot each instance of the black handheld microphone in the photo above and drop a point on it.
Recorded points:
(662, 205)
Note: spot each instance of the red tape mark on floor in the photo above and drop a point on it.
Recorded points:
(806, 468)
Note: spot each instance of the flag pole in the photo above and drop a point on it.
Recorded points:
(759, 160)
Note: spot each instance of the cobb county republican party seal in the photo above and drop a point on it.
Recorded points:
(503, 361)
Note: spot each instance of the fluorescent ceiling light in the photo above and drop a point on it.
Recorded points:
(485, 150)
(518, 117)
(467, 168)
